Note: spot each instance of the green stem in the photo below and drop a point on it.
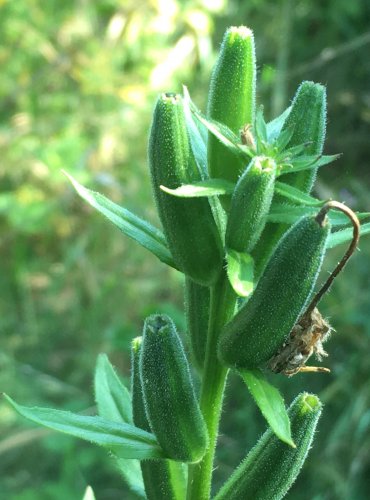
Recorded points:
(222, 307)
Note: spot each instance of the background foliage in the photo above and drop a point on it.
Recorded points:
(78, 83)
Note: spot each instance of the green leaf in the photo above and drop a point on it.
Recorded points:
(114, 403)
(198, 141)
(270, 402)
(345, 235)
(274, 126)
(240, 272)
(288, 214)
(130, 224)
(124, 440)
(306, 163)
(284, 138)
(131, 472)
(112, 398)
(260, 126)
(225, 136)
(296, 195)
(209, 187)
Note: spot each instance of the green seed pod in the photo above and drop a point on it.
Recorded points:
(188, 224)
(231, 98)
(163, 479)
(171, 406)
(250, 204)
(271, 467)
(262, 324)
(308, 117)
(197, 299)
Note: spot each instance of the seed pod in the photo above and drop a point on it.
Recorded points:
(308, 117)
(171, 406)
(231, 97)
(188, 224)
(263, 323)
(271, 467)
(250, 204)
(163, 479)
(197, 299)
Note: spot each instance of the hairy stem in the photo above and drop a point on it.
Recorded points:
(222, 307)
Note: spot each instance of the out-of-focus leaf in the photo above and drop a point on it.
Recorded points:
(130, 224)
(270, 402)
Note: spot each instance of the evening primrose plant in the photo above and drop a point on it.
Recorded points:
(233, 195)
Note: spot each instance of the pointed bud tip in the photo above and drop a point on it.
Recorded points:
(310, 403)
(239, 32)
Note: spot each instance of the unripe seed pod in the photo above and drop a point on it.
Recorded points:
(163, 479)
(231, 98)
(262, 324)
(188, 224)
(308, 117)
(250, 204)
(171, 406)
(271, 467)
(197, 301)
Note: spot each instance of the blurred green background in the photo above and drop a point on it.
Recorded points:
(78, 84)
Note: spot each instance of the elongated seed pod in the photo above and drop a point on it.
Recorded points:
(250, 204)
(188, 224)
(231, 97)
(197, 298)
(308, 117)
(163, 479)
(271, 467)
(262, 324)
(171, 406)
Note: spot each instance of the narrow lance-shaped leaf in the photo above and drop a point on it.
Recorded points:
(89, 494)
(296, 195)
(270, 402)
(210, 187)
(112, 397)
(271, 467)
(346, 235)
(130, 224)
(302, 163)
(274, 126)
(198, 141)
(198, 136)
(290, 214)
(125, 440)
(114, 403)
